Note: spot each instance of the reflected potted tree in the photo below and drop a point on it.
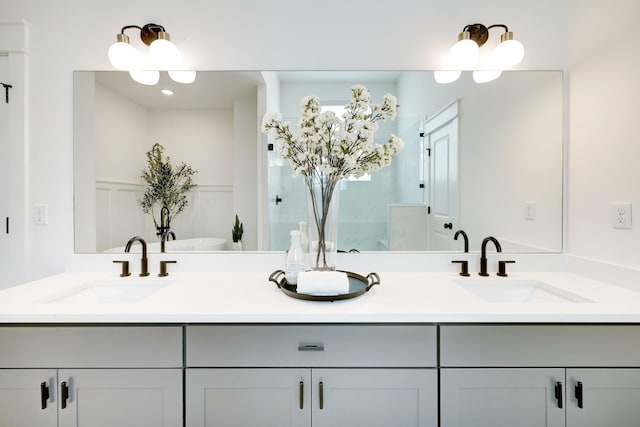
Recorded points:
(167, 187)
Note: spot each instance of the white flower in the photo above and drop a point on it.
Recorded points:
(333, 146)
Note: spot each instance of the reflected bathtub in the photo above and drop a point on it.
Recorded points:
(198, 244)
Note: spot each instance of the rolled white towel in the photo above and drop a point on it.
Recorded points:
(323, 283)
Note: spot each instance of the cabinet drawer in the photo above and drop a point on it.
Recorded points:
(539, 345)
(91, 347)
(311, 345)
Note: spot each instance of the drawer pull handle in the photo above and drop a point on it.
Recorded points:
(311, 347)
(321, 394)
(579, 394)
(558, 394)
(64, 394)
(44, 394)
(301, 393)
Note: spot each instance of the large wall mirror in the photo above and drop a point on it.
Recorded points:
(484, 158)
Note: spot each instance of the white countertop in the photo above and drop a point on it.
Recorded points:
(249, 297)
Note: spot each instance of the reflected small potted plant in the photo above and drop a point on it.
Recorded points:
(236, 234)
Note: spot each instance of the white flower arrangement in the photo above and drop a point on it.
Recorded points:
(327, 148)
(336, 147)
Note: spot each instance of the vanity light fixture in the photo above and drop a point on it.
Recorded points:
(465, 53)
(163, 55)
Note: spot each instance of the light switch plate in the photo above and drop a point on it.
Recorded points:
(40, 214)
(621, 215)
(530, 211)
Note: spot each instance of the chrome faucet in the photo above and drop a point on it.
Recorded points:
(144, 269)
(165, 237)
(466, 239)
(483, 255)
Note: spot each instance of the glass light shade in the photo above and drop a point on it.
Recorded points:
(145, 77)
(164, 54)
(484, 76)
(185, 76)
(464, 54)
(509, 52)
(446, 76)
(123, 55)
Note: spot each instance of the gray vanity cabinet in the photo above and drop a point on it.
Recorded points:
(501, 397)
(28, 397)
(540, 375)
(311, 375)
(90, 376)
(603, 397)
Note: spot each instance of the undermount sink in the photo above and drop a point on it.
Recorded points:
(116, 291)
(518, 291)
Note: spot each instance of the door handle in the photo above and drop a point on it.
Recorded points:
(278, 200)
(321, 394)
(44, 394)
(449, 226)
(578, 390)
(64, 394)
(558, 394)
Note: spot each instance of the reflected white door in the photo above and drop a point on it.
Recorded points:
(4, 162)
(441, 190)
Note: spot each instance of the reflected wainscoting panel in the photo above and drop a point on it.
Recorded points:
(119, 215)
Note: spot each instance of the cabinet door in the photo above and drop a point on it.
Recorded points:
(248, 397)
(502, 397)
(609, 397)
(375, 397)
(120, 397)
(23, 397)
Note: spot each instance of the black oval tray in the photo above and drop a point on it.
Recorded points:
(358, 285)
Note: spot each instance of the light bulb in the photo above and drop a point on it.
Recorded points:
(184, 77)
(446, 76)
(145, 77)
(484, 76)
(464, 54)
(164, 54)
(509, 52)
(122, 54)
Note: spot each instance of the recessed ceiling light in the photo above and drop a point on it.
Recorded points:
(167, 92)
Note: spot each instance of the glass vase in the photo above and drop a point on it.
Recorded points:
(322, 212)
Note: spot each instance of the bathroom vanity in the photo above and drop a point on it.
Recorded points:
(218, 348)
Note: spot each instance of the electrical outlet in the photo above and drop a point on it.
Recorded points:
(40, 214)
(530, 211)
(621, 215)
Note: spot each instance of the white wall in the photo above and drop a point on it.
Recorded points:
(68, 35)
(510, 135)
(603, 126)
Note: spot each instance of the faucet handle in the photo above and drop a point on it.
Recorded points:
(163, 268)
(125, 268)
(464, 267)
(502, 268)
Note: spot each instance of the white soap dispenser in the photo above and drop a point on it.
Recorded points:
(295, 259)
